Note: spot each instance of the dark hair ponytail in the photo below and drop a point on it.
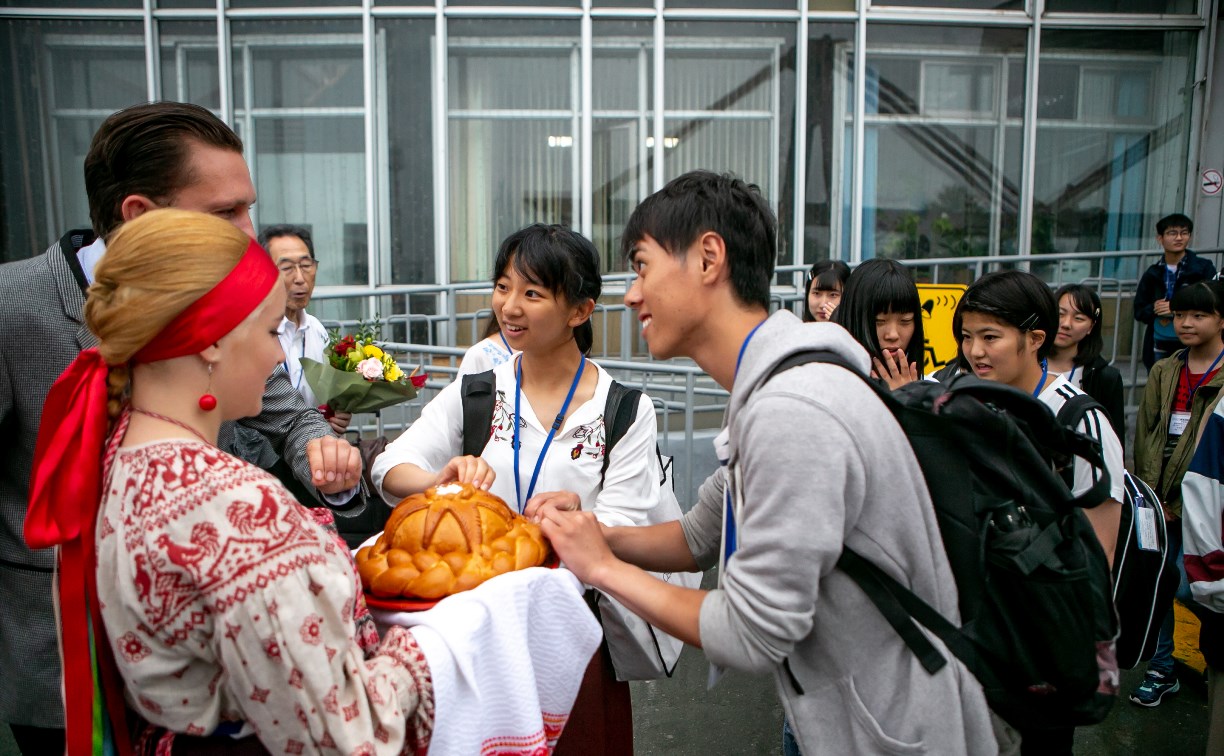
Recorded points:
(561, 260)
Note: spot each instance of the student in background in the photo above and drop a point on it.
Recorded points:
(826, 281)
(1077, 352)
(1004, 321)
(881, 310)
(1179, 391)
(1178, 268)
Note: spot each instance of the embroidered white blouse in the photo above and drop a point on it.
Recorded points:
(631, 485)
(224, 600)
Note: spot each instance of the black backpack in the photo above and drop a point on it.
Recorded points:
(1145, 575)
(1037, 623)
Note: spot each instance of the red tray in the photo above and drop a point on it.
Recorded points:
(420, 604)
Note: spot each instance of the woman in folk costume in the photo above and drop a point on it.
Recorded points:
(226, 607)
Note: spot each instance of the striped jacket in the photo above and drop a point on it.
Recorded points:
(42, 304)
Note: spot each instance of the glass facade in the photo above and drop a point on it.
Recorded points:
(411, 137)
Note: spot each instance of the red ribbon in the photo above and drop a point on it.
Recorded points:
(66, 479)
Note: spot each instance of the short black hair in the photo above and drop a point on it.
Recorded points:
(1176, 220)
(825, 275)
(877, 287)
(701, 201)
(1084, 300)
(144, 150)
(287, 229)
(561, 260)
(1016, 297)
(1204, 296)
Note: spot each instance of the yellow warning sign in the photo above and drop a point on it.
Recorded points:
(938, 306)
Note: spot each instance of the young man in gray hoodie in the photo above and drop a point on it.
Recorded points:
(811, 461)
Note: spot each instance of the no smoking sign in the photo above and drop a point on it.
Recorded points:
(1212, 182)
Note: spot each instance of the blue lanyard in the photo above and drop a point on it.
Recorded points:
(1071, 375)
(1045, 372)
(744, 346)
(556, 426)
(509, 351)
(1186, 372)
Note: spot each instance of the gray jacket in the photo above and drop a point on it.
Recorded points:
(42, 304)
(818, 462)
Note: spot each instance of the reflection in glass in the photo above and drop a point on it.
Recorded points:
(189, 62)
(622, 126)
(829, 142)
(63, 78)
(729, 94)
(305, 137)
(1017, 5)
(513, 134)
(1120, 6)
(406, 245)
(942, 141)
(1112, 135)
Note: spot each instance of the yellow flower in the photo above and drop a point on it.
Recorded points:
(372, 351)
(393, 374)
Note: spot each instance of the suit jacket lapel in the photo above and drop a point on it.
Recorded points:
(70, 281)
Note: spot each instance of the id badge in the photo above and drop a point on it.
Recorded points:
(1178, 423)
(1145, 529)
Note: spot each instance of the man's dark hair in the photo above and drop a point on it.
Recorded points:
(1176, 220)
(1017, 298)
(700, 201)
(143, 150)
(287, 229)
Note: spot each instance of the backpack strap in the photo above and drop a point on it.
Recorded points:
(1072, 413)
(477, 395)
(620, 410)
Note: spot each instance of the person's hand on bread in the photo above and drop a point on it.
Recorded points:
(566, 501)
(472, 470)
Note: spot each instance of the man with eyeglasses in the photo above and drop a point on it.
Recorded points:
(1178, 269)
(301, 334)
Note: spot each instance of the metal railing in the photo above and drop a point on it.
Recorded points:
(686, 399)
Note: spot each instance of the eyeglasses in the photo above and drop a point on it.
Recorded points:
(307, 267)
(1177, 233)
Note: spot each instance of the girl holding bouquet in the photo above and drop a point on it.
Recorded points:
(546, 442)
(223, 615)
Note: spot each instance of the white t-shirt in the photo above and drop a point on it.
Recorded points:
(485, 355)
(631, 486)
(308, 340)
(1096, 425)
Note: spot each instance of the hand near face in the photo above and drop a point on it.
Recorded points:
(894, 370)
(335, 464)
(566, 501)
(1161, 308)
(578, 539)
(473, 470)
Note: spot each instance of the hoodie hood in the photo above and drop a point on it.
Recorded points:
(781, 335)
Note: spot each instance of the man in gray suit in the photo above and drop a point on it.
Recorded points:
(143, 157)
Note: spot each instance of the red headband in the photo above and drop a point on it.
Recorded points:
(66, 479)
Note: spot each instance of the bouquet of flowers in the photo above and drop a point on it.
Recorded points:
(358, 375)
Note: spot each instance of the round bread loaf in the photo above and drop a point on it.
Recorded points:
(448, 539)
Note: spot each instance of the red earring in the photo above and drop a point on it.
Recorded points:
(208, 402)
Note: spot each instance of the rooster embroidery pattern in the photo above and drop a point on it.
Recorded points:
(216, 587)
